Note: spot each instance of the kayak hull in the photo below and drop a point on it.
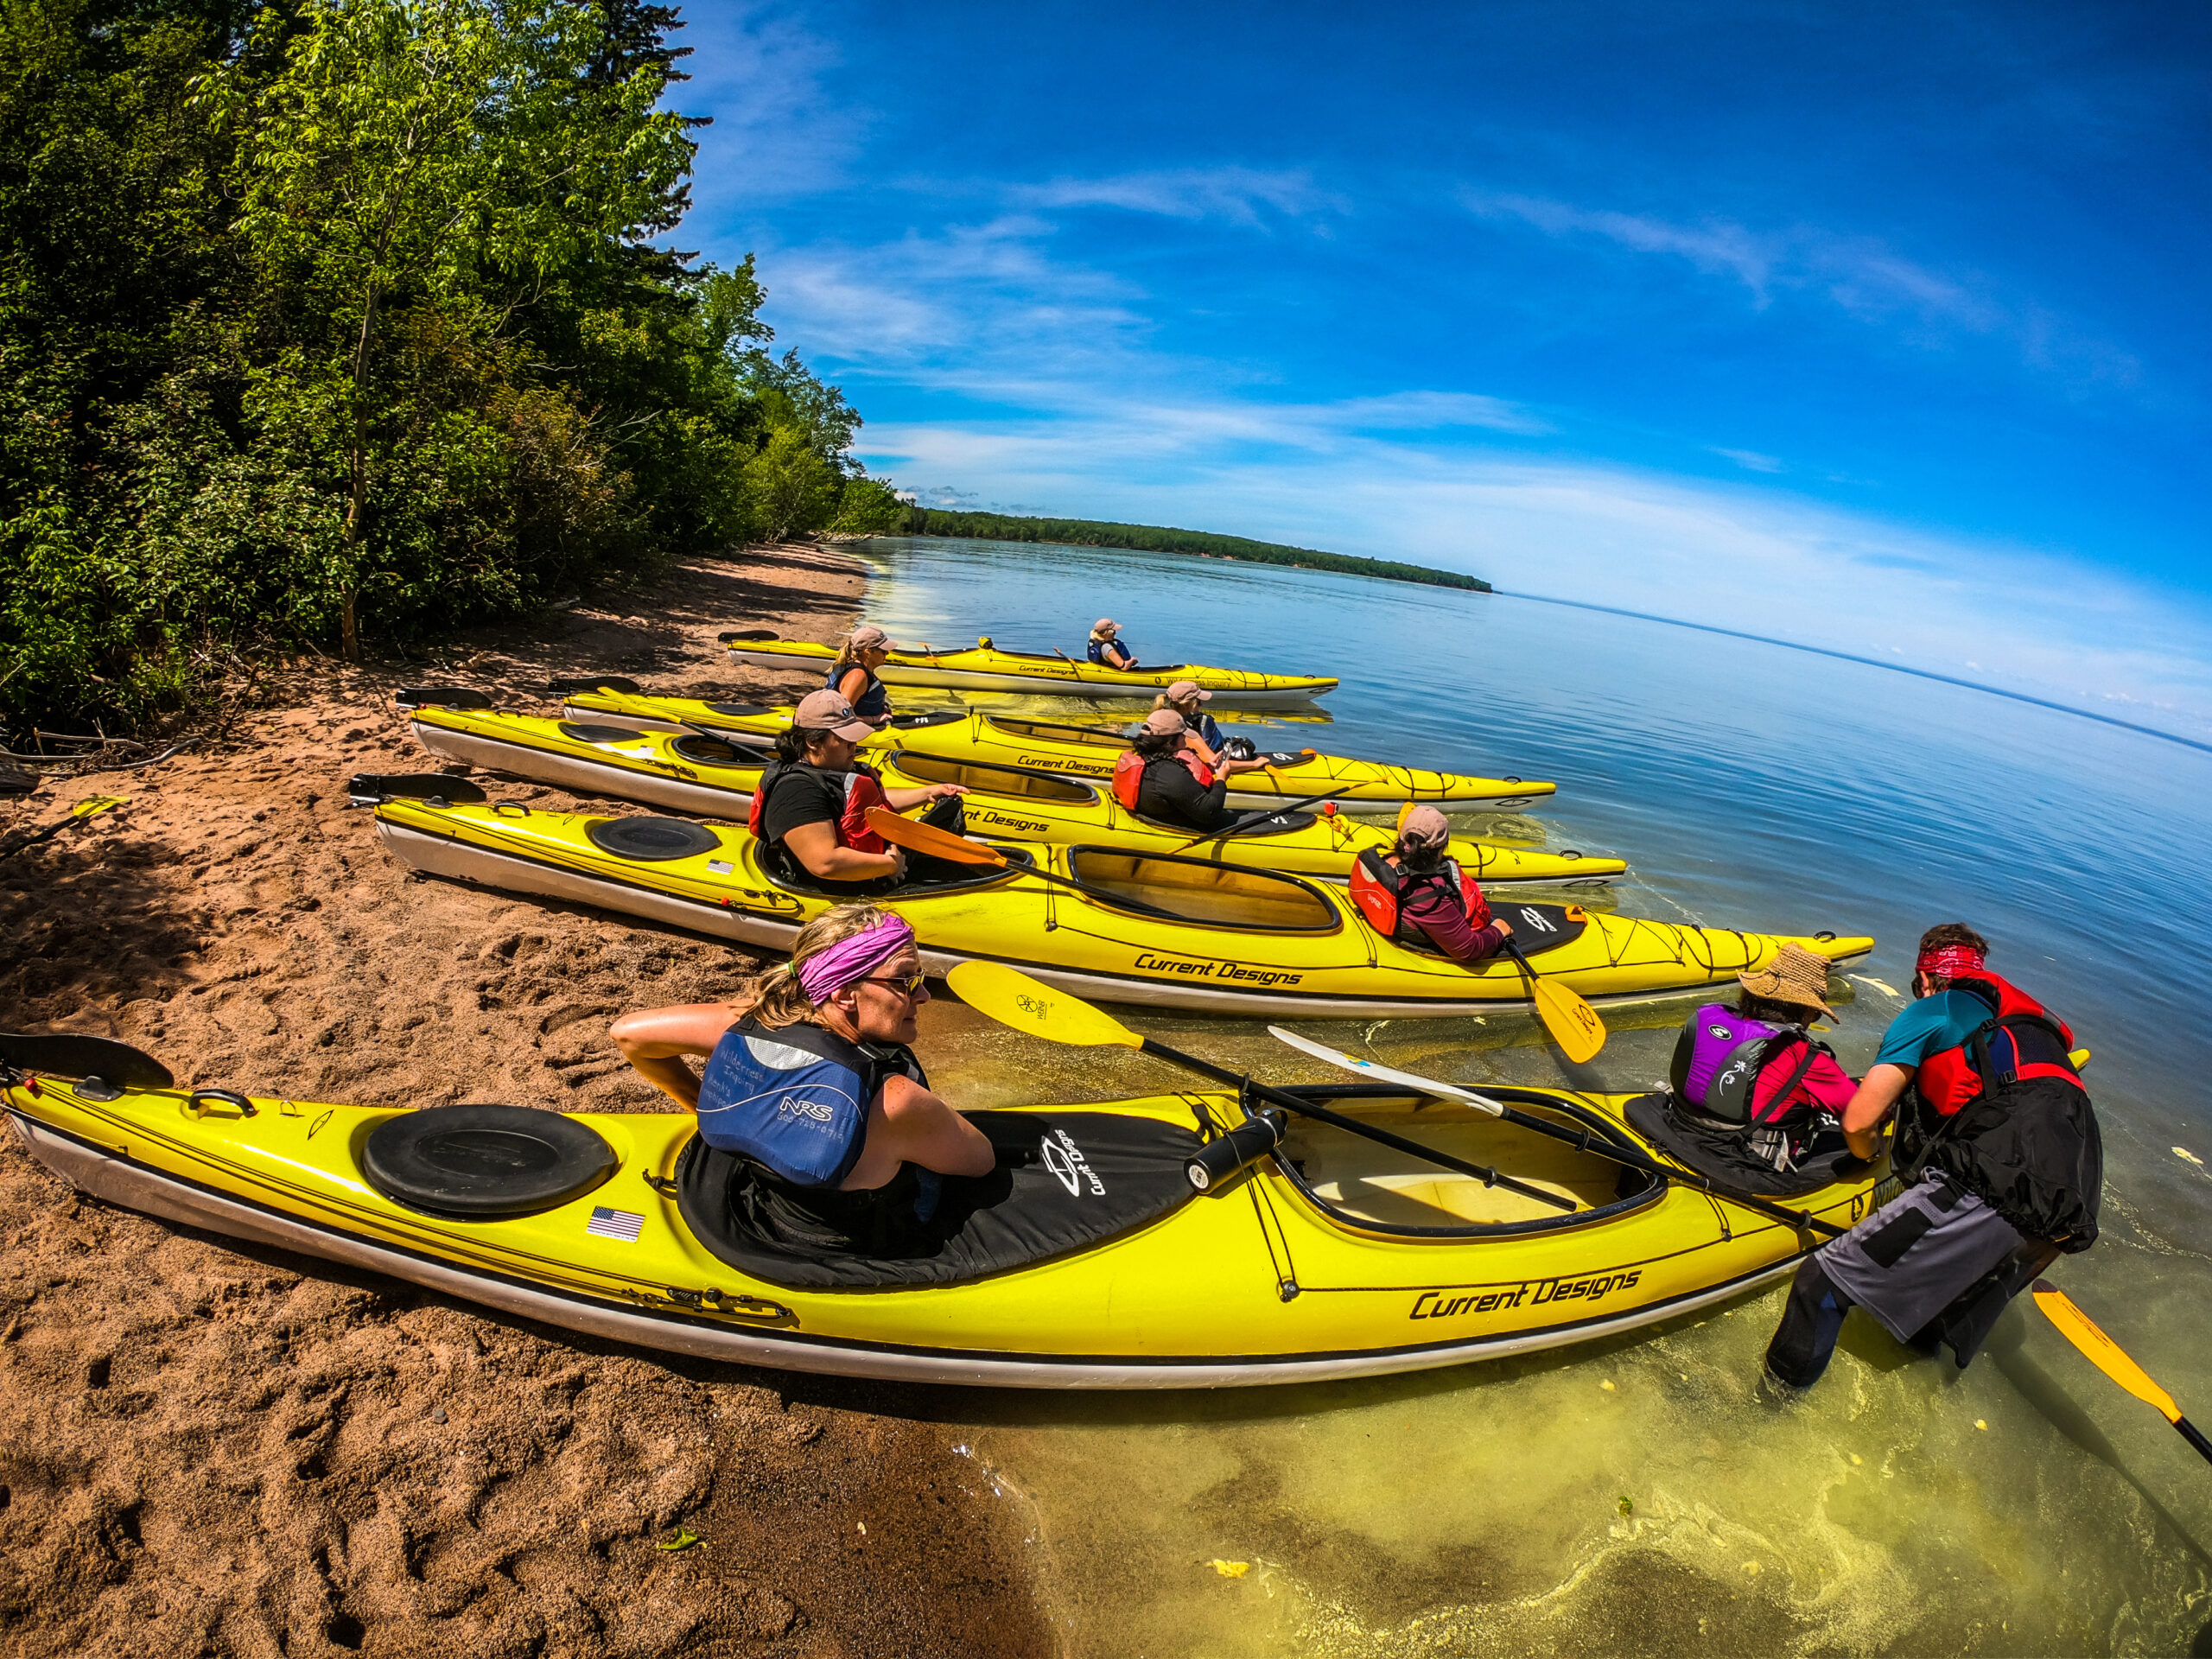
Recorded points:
(1335, 968)
(1293, 1294)
(656, 769)
(985, 668)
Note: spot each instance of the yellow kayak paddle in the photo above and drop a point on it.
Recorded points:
(2109, 1357)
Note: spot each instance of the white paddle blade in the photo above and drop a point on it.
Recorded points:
(1383, 1073)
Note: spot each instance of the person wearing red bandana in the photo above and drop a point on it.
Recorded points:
(1997, 1147)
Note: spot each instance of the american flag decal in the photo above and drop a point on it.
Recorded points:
(624, 1224)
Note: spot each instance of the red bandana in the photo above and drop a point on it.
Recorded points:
(1950, 961)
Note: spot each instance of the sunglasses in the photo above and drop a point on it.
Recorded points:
(910, 983)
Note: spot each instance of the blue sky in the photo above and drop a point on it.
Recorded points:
(1879, 328)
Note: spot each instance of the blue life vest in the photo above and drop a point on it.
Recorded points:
(795, 1100)
(1098, 650)
(873, 701)
(1209, 731)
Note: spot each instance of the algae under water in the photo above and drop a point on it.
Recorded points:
(1640, 1494)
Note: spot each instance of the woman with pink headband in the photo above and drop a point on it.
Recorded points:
(808, 1076)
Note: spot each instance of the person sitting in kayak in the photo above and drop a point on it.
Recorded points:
(1999, 1153)
(1415, 893)
(1160, 779)
(810, 810)
(1203, 737)
(1106, 647)
(1755, 1068)
(853, 676)
(810, 1078)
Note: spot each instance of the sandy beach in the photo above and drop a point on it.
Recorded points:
(209, 1448)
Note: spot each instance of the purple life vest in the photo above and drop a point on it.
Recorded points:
(1720, 1056)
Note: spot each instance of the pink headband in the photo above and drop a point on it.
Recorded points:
(1950, 961)
(828, 970)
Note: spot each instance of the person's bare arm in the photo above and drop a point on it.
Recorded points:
(654, 1041)
(907, 1124)
(1879, 1093)
(851, 682)
(815, 845)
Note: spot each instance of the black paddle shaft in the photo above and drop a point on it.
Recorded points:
(1353, 1126)
(1252, 819)
(2194, 1436)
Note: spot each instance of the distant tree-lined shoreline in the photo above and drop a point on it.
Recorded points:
(1156, 538)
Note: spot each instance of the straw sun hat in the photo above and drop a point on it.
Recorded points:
(1795, 975)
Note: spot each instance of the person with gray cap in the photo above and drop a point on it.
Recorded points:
(1204, 739)
(1416, 893)
(1159, 778)
(853, 675)
(810, 810)
(1107, 648)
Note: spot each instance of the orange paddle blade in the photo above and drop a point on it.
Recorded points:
(2101, 1350)
(928, 838)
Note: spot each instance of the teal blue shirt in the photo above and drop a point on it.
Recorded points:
(1930, 1026)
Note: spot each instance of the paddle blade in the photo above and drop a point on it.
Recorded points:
(1012, 998)
(1573, 1023)
(928, 838)
(2102, 1352)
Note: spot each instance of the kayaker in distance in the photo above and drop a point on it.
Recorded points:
(1204, 737)
(810, 1078)
(1755, 1069)
(1106, 646)
(853, 676)
(1999, 1150)
(1415, 893)
(1162, 779)
(810, 810)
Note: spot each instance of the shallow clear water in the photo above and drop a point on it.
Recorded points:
(2025, 1505)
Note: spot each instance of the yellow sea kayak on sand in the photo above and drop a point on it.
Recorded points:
(1052, 744)
(715, 776)
(1088, 1261)
(985, 667)
(1167, 932)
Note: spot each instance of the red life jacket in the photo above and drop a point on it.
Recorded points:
(2021, 1038)
(1380, 888)
(1129, 775)
(863, 789)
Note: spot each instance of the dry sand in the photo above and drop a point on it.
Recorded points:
(207, 1448)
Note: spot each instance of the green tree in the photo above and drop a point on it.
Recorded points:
(789, 486)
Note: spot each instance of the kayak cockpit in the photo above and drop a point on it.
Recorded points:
(1199, 890)
(1055, 732)
(994, 778)
(1373, 1188)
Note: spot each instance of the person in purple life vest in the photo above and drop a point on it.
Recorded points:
(1416, 893)
(2000, 1157)
(1756, 1067)
(809, 1076)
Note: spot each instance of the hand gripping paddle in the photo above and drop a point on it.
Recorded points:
(1012, 998)
(2107, 1356)
(958, 849)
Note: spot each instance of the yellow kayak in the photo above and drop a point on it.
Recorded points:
(715, 776)
(1167, 932)
(986, 667)
(1077, 1266)
(1369, 786)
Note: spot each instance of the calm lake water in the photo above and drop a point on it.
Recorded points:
(1637, 1496)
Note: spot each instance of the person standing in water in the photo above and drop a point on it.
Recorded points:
(1999, 1150)
(853, 676)
(1106, 647)
(811, 1079)
(1414, 893)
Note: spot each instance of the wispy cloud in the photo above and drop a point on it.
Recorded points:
(1860, 276)
(777, 132)
(1749, 460)
(1235, 194)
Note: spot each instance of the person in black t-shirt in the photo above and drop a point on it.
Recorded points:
(811, 806)
(1170, 788)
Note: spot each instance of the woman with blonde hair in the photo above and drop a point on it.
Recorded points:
(1107, 648)
(1204, 737)
(853, 674)
(809, 1075)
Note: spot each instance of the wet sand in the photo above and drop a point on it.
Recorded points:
(209, 1448)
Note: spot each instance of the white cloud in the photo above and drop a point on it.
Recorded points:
(1749, 460)
(1237, 194)
(777, 133)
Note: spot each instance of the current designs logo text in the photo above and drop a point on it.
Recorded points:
(1533, 1292)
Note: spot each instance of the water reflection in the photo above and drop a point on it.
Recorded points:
(1638, 1496)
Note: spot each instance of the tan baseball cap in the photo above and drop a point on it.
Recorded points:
(868, 637)
(1105, 625)
(1184, 691)
(828, 711)
(1164, 721)
(1424, 827)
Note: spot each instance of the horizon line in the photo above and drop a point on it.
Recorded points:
(1868, 662)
